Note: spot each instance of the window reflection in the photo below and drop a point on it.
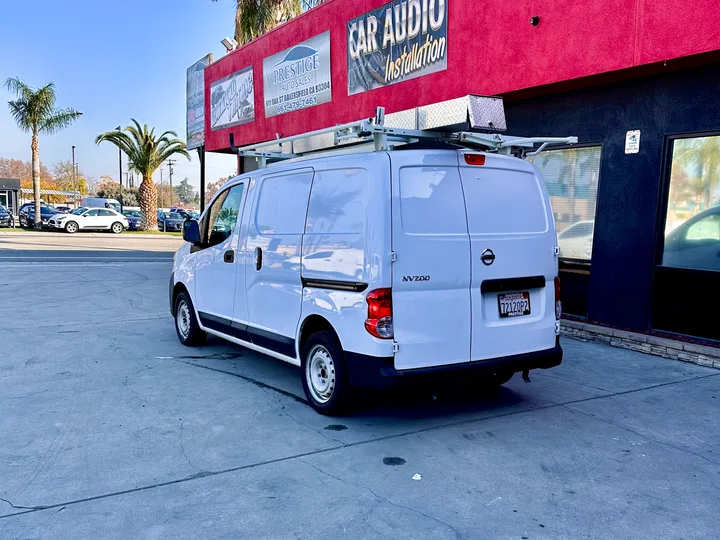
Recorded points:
(692, 223)
(571, 177)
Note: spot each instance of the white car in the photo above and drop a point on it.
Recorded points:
(90, 219)
(576, 241)
(371, 269)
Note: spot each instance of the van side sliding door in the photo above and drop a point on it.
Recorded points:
(272, 253)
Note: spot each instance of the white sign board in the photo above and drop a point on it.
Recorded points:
(195, 89)
(632, 142)
(298, 77)
(232, 100)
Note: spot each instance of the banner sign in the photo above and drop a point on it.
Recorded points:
(195, 92)
(399, 41)
(298, 77)
(232, 100)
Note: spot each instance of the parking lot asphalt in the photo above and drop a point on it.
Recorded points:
(109, 428)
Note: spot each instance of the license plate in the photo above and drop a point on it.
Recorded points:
(514, 304)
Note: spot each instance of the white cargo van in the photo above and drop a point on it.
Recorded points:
(379, 268)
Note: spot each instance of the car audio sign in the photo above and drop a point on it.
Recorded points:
(401, 40)
(298, 77)
(232, 100)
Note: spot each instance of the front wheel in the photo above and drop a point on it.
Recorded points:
(117, 227)
(71, 227)
(186, 324)
(325, 379)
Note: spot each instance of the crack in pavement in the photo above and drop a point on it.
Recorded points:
(650, 439)
(391, 503)
(284, 410)
(417, 431)
(182, 447)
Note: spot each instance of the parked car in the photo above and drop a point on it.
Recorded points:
(695, 243)
(170, 221)
(134, 219)
(27, 218)
(187, 214)
(90, 219)
(6, 218)
(63, 209)
(576, 241)
(100, 202)
(452, 282)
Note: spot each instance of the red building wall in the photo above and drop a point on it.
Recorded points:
(492, 49)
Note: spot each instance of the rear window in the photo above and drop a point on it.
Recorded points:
(501, 201)
(431, 201)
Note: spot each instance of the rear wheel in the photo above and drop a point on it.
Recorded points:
(117, 227)
(186, 325)
(325, 379)
(71, 227)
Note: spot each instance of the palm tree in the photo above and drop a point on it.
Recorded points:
(34, 111)
(146, 153)
(253, 18)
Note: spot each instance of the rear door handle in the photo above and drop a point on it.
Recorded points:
(229, 256)
(258, 258)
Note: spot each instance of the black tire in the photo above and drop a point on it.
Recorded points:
(71, 227)
(337, 398)
(117, 227)
(186, 325)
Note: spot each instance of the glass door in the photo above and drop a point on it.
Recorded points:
(686, 295)
(4, 200)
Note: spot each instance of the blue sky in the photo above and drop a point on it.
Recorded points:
(112, 61)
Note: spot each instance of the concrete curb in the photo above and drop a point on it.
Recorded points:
(658, 346)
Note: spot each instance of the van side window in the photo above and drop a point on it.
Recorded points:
(223, 214)
(337, 202)
(431, 201)
(282, 204)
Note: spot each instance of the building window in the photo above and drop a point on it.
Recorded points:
(571, 176)
(692, 224)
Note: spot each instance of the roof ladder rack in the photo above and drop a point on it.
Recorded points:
(385, 138)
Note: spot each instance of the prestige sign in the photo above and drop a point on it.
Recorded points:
(232, 100)
(298, 77)
(399, 41)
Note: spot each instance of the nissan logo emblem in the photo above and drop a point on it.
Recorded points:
(487, 257)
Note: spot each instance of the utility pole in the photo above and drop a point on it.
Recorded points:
(170, 165)
(161, 190)
(74, 177)
(120, 177)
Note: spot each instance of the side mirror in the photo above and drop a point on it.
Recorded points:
(191, 231)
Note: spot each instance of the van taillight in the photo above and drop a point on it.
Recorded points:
(558, 303)
(379, 320)
(475, 159)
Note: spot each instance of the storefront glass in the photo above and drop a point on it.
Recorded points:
(692, 224)
(571, 177)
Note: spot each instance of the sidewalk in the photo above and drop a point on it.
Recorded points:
(55, 234)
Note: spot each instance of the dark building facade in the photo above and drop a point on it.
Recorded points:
(9, 193)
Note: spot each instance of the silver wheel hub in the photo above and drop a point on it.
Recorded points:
(182, 317)
(320, 374)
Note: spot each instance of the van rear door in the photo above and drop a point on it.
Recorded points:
(431, 274)
(512, 236)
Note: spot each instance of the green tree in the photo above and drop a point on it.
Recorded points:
(146, 153)
(186, 193)
(34, 112)
(254, 18)
(64, 179)
(109, 189)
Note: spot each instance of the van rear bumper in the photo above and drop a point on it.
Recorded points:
(379, 372)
